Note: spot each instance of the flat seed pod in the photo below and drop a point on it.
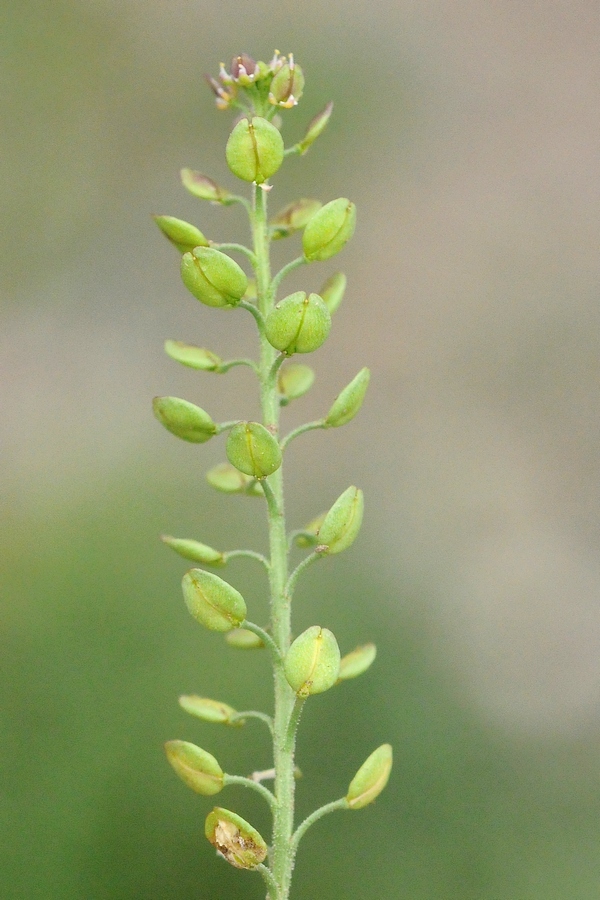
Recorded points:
(342, 523)
(313, 661)
(208, 710)
(329, 229)
(197, 768)
(349, 401)
(298, 323)
(213, 277)
(253, 450)
(213, 602)
(184, 419)
(235, 839)
(371, 778)
(193, 357)
(254, 150)
(358, 661)
(194, 550)
(183, 235)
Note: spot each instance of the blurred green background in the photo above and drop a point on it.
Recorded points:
(467, 135)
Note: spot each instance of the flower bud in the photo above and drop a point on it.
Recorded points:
(253, 450)
(329, 229)
(333, 291)
(254, 150)
(313, 661)
(213, 277)
(358, 661)
(194, 357)
(371, 778)
(349, 401)
(226, 478)
(287, 85)
(205, 188)
(242, 639)
(342, 523)
(294, 216)
(213, 602)
(316, 127)
(309, 536)
(244, 69)
(235, 839)
(208, 710)
(194, 550)
(197, 768)
(294, 381)
(183, 419)
(298, 324)
(183, 235)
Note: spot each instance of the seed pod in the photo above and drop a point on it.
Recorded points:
(183, 419)
(213, 602)
(253, 450)
(294, 381)
(183, 235)
(254, 150)
(371, 778)
(313, 661)
(287, 85)
(226, 478)
(329, 229)
(358, 661)
(294, 216)
(309, 536)
(197, 768)
(349, 401)
(208, 710)
(205, 188)
(242, 639)
(316, 127)
(193, 357)
(298, 324)
(333, 291)
(342, 523)
(235, 839)
(194, 550)
(213, 277)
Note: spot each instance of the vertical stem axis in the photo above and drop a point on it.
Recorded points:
(281, 853)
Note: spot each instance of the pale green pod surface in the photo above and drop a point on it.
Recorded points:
(184, 419)
(316, 127)
(193, 357)
(298, 324)
(194, 550)
(329, 229)
(349, 401)
(371, 778)
(183, 235)
(294, 216)
(226, 478)
(358, 661)
(309, 537)
(253, 450)
(208, 710)
(235, 839)
(294, 381)
(313, 661)
(333, 291)
(254, 150)
(205, 188)
(197, 768)
(287, 86)
(213, 602)
(342, 523)
(242, 639)
(213, 277)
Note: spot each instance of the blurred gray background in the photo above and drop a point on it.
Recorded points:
(467, 133)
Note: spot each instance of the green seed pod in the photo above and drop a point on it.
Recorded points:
(333, 291)
(294, 381)
(349, 401)
(242, 639)
(193, 357)
(342, 523)
(371, 778)
(208, 710)
(253, 450)
(212, 602)
(316, 127)
(358, 661)
(183, 235)
(313, 661)
(254, 150)
(205, 188)
(294, 216)
(308, 538)
(298, 324)
(183, 419)
(235, 839)
(213, 277)
(287, 85)
(197, 768)
(226, 478)
(194, 550)
(329, 229)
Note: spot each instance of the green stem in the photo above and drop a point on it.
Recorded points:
(289, 267)
(252, 714)
(252, 309)
(292, 727)
(269, 881)
(253, 785)
(230, 363)
(225, 426)
(250, 554)
(314, 817)
(240, 248)
(306, 562)
(302, 429)
(266, 639)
